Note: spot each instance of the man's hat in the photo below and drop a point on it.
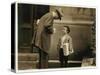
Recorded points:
(59, 12)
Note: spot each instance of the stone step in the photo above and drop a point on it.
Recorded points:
(27, 60)
(24, 49)
(28, 56)
(26, 65)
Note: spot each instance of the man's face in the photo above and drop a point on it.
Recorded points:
(56, 16)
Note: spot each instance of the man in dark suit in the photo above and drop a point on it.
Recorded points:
(43, 35)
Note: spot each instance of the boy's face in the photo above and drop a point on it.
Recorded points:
(65, 30)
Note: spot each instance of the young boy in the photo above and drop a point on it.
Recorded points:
(65, 47)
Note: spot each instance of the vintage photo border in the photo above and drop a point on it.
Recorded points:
(16, 42)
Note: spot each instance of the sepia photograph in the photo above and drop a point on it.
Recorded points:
(51, 37)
